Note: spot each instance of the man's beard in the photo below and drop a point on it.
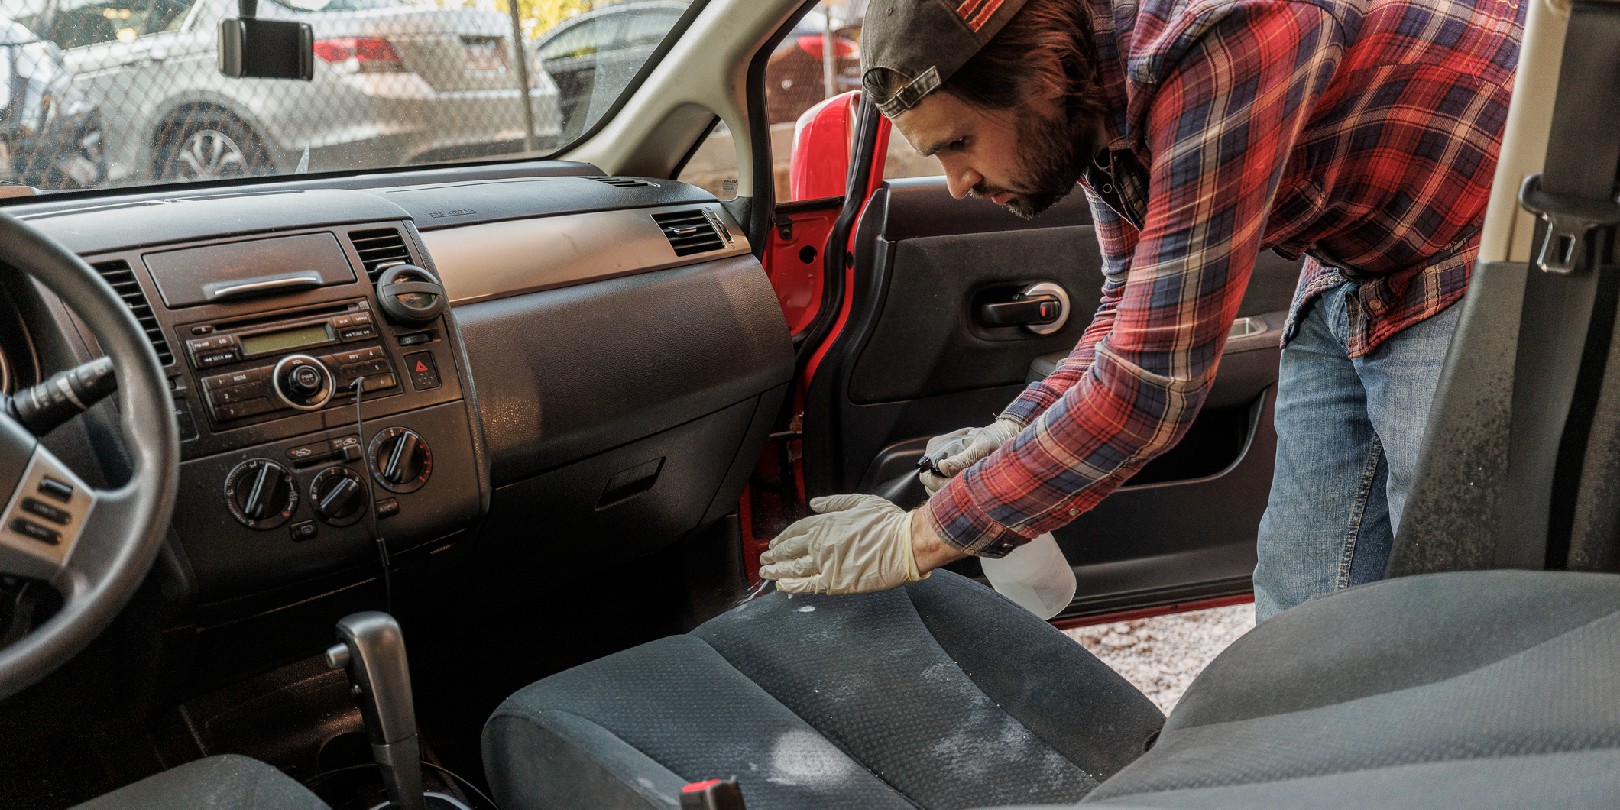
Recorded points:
(1055, 152)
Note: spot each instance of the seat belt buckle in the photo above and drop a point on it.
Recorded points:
(1569, 220)
(713, 794)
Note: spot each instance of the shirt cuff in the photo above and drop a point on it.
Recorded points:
(966, 528)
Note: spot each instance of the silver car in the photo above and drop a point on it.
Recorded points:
(395, 83)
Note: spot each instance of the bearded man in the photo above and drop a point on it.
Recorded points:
(1359, 134)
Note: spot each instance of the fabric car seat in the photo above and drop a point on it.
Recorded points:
(228, 782)
(1476, 689)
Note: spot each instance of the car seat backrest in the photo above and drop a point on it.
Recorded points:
(1521, 462)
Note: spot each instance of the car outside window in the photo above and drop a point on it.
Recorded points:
(801, 73)
(397, 83)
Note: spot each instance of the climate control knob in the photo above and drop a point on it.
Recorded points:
(302, 382)
(260, 493)
(338, 495)
(400, 459)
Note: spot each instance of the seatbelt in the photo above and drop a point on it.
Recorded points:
(1574, 198)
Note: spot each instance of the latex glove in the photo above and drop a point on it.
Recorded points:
(961, 449)
(854, 544)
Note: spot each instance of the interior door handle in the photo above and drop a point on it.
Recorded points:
(1036, 310)
(1039, 308)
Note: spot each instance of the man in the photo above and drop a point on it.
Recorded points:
(1361, 134)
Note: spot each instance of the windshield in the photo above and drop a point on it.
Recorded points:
(396, 83)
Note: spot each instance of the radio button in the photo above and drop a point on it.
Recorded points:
(379, 383)
(237, 393)
(243, 377)
(357, 333)
(243, 409)
(216, 357)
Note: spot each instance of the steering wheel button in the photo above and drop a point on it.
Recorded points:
(34, 531)
(54, 514)
(54, 489)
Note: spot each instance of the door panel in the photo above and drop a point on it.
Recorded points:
(913, 364)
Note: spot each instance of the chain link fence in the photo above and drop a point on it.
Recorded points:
(128, 92)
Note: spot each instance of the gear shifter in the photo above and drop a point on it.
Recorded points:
(373, 652)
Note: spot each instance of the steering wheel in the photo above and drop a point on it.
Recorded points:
(97, 544)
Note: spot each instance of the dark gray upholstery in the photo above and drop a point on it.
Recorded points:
(1474, 689)
(1492, 688)
(216, 783)
(942, 694)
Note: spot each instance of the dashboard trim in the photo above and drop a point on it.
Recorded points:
(512, 257)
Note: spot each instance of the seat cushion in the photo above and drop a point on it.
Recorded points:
(217, 783)
(1472, 689)
(940, 694)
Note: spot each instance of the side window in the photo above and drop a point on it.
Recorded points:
(803, 71)
(713, 167)
(581, 40)
(646, 30)
(99, 21)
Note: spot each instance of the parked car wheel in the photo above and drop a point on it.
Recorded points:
(208, 147)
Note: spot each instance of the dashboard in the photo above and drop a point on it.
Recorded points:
(542, 370)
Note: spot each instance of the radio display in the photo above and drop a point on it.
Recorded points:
(266, 342)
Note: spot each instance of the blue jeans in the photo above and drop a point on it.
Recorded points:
(1348, 433)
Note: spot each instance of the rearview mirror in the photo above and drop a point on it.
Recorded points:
(251, 48)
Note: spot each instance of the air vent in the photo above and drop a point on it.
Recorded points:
(121, 278)
(380, 250)
(622, 182)
(689, 232)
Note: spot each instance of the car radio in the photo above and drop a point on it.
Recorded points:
(296, 362)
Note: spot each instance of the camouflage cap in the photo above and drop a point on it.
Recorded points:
(924, 42)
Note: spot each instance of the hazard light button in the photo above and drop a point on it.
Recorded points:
(424, 373)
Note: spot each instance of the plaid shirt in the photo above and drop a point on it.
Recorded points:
(1362, 135)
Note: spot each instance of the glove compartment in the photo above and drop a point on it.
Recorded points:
(624, 413)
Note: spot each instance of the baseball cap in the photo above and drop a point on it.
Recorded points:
(925, 42)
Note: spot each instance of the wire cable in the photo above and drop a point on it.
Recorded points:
(371, 502)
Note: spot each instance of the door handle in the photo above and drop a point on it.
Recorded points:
(1039, 308)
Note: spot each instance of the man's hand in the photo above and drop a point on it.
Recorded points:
(853, 544)
(961, 449)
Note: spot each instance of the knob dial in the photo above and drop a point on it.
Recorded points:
(260, 493)
(400, 459)
(302, 382)
(338, 495)
(410, 295)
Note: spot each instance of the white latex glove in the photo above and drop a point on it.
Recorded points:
(854, 544)
(961, 449)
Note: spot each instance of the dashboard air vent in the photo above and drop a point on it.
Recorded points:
(380, 250)
(689, 232)
(622, 182)
(121, 278)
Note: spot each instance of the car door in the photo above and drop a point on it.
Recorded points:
(917, 356)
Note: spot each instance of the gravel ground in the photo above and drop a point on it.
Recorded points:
(1162, 655)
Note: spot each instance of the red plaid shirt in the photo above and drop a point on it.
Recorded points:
(1362, 135)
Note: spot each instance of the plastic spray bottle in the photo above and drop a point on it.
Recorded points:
(1035, 575)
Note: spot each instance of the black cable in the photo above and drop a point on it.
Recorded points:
(371, 502)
